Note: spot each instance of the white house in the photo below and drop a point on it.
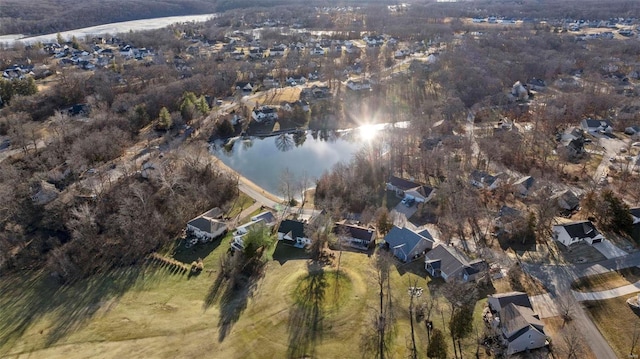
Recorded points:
(207, 226)
(293, 232)
(359, 85)
(482, 179)
(521, 329)
(355, 236)
(575, 232)
(264, 113)
(409, 189)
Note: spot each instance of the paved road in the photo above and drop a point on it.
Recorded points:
(558, 279)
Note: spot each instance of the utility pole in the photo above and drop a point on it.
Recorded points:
(413, 292)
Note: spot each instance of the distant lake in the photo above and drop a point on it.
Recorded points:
(112, 29)
(263, 160)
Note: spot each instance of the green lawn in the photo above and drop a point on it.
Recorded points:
(149, 311)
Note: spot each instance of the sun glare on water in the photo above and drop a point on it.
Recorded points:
(367, 132)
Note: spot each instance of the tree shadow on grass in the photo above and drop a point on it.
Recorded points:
(307, 314)
(26, 299)
(231, 289)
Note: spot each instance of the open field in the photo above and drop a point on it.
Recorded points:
(150, 311)
(276, 97)
(607, 281)
(617, 322)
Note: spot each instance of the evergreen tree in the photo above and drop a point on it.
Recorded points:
(437, 347)
(164, 119)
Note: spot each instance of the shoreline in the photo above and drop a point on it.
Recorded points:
(250, 186)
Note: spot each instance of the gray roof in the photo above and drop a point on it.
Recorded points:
(526, 181)
(518, 298)
(515, 320)
(402, 183)
(405, 237)
(450, 260)
(206, 224)
(635, 212)
(266, 216)
(569, 198)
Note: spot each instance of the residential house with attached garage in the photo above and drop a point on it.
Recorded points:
(572, 141)
(600, 126)
(300, 105)
(406, 244)
(523, 185)
(355, 236)
(264, 114)
(277, 50)
(632, 130)
(536, 84)
(521, 329)
(482, 179)
(508, 219)
(359, 85)
(409, 189)
(243, 86)
(295, 80)
(449, 264)
(292, 232)
(270, 82)
(267, 217)
(567, 201)
(315, 92)
(256, 53)
(207, 226)
(499, 301)
(570, 233)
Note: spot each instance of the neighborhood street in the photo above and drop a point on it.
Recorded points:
(558, 278)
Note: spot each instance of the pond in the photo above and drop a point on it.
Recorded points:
(303, 154)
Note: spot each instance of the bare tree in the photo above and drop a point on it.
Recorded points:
(573, 345)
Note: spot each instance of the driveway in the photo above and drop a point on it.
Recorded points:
(608, 294)
(609, 249)
(406, 211)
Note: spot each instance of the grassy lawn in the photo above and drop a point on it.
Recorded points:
(276, 97)
(607, 281)
(388, 199)
(553, 327)
(148, 311)
(616, 321)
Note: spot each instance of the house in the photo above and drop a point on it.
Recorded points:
(302, 105)
(482, 179)
(374, 41)
(575, 232)
(270, 82)
(536, 84)
(409, 189)
(295, 80)
(567, 201)
(499, 301)
(521, 329)
(264, 114)
(43, 193)
(355, 236)
(315, 92)
(293, 232)
(244, 86)
(449, 264)
(508, 219)
(632, 130)
(523, 185)
(207, 226)
(277, 50)
(359, 85)
(635, 214)
(600, 126)
(318, 51)
(572, 140)
(267, 217)
(256, 53)
(406, 244)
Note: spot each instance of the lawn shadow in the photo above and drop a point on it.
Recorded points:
(415, 267)
(235, 283)
(200, 250)
(26, 300)
(307, 314)
(285, 252)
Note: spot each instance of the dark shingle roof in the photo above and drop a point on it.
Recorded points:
(365, 234)
(635, 212)
(207, 225)
(294, 227)
(518, 298)
(584, 229)
(450, 260)
(402, 183)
